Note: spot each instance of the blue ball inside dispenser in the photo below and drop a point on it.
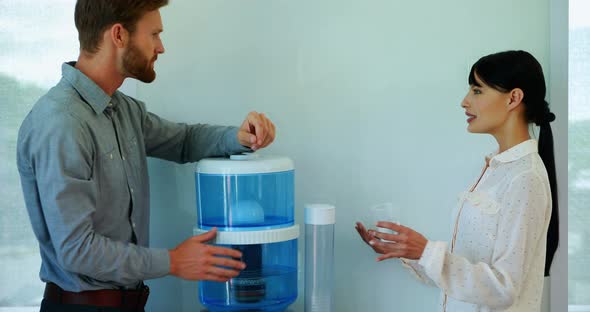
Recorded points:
(247, 212)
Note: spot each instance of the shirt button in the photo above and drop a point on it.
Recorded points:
(123, 157)
(111, 156)
(131, 190)
(133, 224)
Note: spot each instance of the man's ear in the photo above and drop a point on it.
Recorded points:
(119, 35)
(516, 96)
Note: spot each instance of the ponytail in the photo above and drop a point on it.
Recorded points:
(546, 152)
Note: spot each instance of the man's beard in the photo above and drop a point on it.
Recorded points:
(137, 65)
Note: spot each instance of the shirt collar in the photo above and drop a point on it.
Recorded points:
(90, 92)
(514, 153)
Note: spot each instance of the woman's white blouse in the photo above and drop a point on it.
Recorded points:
(500, 230)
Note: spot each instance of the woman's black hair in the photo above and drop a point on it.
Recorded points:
(505, 71)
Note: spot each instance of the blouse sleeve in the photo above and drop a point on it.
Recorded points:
(417, 270)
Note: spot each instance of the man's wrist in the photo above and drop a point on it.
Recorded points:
(171, 254)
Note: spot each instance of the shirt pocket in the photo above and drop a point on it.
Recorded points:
(483, 208)
(109, 171)
(482, 201)
(113, 195)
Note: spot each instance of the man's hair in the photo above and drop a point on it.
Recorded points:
(93, 17)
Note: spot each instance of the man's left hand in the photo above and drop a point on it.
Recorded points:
(257, 131)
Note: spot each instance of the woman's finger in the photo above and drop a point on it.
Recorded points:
(389, 255)
(390, 237)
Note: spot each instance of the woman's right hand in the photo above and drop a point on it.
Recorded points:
(368, 236)
(407, 243)
(365, 235)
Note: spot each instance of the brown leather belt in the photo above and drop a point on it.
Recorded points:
(127, 300)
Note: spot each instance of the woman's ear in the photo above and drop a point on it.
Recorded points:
(516, 96)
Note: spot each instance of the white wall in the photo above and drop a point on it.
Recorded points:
(365, 96)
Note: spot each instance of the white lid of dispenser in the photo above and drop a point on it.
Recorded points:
(320, 214)
(246, 163)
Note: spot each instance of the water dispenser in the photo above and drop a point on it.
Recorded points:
(250, 199)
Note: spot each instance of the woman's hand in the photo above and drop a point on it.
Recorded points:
(407, 243)
(364, 233)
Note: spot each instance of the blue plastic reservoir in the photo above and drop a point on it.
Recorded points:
(242, 202)
(250, 199)
(269, 283)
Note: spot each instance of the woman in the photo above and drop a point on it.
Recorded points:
(505, 229)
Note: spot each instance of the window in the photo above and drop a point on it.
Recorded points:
(579, 157)
(36, 37)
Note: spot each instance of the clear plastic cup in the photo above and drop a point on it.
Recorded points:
(384, 212)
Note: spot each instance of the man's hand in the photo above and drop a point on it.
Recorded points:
(407, 243)
(256, 131)
(195, 260)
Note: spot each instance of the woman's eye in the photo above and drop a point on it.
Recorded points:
(476, 91)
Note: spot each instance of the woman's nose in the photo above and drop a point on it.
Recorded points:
(464, 103)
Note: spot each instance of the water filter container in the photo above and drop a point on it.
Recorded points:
(250, 199)
(319, 257)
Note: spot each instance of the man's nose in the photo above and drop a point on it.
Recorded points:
(160, 48)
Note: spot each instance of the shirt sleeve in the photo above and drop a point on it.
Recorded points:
(60, 155)
(417, 271)
(184, 143)
(520, 233)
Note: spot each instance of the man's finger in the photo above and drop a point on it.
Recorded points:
(228, 263)
(205, 237)
(246, 138)
(215, 278)
(269, 133)
(224, 251)
(255, 120)
(221, 272)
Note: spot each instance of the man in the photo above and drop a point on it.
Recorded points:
(81, 156)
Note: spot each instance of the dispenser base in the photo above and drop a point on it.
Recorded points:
(275, 308)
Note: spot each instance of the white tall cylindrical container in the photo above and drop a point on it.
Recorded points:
(319, 257)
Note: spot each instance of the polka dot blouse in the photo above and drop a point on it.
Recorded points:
(496, 258)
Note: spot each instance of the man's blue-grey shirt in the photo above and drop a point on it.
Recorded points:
(81, 156)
